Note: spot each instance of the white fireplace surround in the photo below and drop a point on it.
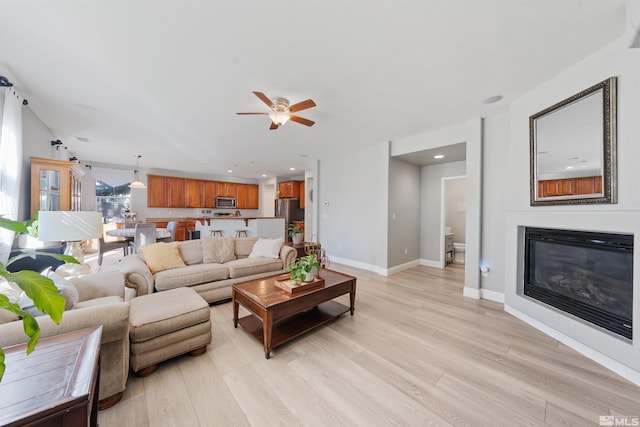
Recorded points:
(616, 353)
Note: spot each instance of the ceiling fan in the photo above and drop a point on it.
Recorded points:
(282, 111)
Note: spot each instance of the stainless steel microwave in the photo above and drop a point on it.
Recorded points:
(225, 202)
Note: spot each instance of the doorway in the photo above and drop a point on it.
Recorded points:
(453, 219)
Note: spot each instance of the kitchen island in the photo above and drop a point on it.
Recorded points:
(266, 227)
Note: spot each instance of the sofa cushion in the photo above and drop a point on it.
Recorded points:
(249, 266)
(162, 256)
(190, 275)
(218, 249)
(113, 299)
(191, 251)
(244, 245)
(267, 248)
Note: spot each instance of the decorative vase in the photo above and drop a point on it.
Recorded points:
(311, 276)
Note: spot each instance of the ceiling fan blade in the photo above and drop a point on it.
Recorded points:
(273, 126)
(302, 105)
(264, 98)
(301, 120)
(253, 113)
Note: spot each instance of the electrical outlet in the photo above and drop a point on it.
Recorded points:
(406, 251)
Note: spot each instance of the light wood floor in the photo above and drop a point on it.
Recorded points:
(416, 353)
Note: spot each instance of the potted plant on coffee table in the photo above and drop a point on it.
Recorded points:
(304, 269)
(295, 232)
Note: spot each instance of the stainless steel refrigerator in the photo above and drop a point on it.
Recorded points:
(289, 209)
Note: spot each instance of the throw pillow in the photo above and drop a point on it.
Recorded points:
(267, 248)
(162, 256)
(218, 249)
(65, 288)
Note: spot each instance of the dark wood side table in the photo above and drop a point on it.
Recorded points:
(56, 385)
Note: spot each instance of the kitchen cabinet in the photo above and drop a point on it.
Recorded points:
(175, 187)
(157, 196)
(247, 196)
(209, 190)
(289, 189)
(302, 194)
(570, 186)
(176, 192)
(55, 185)
(194, 193)
(165, 192)
(226, 189)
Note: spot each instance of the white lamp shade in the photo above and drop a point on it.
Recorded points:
(69, 226)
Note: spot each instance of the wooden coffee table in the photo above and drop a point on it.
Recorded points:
(279, 317)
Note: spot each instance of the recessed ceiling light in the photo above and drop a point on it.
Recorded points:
(569, 167)
(439, 156)
(292, 169)
(492, 99)
(304, 155)
(229, 171)
(264, 175)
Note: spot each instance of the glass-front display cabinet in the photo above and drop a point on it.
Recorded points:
(55, 185)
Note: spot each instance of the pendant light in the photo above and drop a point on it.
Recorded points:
(136, 176)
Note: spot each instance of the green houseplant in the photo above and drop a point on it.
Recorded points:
(302, 269)
(295, 232)
(40, 289)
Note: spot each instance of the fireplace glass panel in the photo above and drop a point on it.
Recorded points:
(589, 275)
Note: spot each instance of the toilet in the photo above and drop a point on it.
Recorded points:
(458, 253)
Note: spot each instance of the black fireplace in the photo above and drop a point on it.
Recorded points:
(589, 275)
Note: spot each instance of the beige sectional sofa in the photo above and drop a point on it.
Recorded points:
(101, 301)
(210, 265)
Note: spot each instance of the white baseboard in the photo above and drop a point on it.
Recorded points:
(492, 295)
(431, 263)
(358, 264)
(471, 293)
(399, 268)
(617, 367)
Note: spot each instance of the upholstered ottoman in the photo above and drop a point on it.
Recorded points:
(167, 324)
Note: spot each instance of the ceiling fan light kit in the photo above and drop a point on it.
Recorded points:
(281, 110)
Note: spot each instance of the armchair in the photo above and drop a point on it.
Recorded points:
(102, 301)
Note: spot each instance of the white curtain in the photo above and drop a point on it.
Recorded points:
(10, 164)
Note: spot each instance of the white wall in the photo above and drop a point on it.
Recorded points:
(36, 141)
(496, 192)
(431, 227)
(404, 213)
(352, 206)
(614, 60)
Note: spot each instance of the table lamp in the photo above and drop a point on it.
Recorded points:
(72, 227)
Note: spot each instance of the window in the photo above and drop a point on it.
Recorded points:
(113, 195)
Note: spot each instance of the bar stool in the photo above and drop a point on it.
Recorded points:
(241, 233)
(216, 233)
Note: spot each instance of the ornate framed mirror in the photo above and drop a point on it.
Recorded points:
(573, 149)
